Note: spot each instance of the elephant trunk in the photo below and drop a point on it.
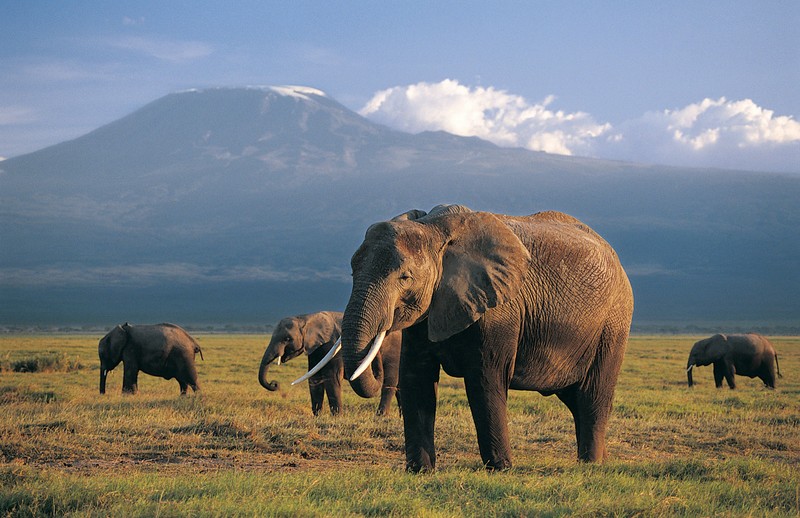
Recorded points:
(103, 375)
(359, 330)
(689, 369)
(262, 377)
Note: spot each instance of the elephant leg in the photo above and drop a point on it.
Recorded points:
(719, 374)
(488, 401)
(593, 398)
(333, 387)
(130, 377)
(569, 397)
(387, 394)
(183, 386)
(768, 376)
(489, 350)
(593, 411)
(191, 377)
(317, 390)
(730, 374)
(419, 377)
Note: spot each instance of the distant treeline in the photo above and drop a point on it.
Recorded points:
(102, 329)
(643, 328)
(661, 328)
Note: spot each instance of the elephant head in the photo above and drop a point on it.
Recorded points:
(706, 352)
(448, 266)
(294, 336)
(110, 351)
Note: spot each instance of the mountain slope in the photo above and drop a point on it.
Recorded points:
(245, 204)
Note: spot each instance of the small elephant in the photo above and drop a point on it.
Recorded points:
(750, 355)
(315, 334)
(164, 350)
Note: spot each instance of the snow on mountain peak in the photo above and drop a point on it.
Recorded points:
(301, 92)
(298, 92)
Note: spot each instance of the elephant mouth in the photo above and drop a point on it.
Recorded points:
(287, 356)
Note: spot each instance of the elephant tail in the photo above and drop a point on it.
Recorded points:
(198, 350)
(778, 366)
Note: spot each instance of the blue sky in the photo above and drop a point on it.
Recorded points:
(711, 83)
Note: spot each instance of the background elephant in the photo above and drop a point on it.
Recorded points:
(750, 355)
(164, 350)
(315, 334)
(536, 302)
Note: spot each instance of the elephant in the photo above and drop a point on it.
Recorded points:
(537, 302)
(750, 355)
(315, 334)
(164, 350)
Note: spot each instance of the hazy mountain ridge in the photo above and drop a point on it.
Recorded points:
(233, 199)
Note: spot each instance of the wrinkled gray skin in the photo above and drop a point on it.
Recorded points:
(750, 355)
(314, 334)
(163, 350)
(535, 302)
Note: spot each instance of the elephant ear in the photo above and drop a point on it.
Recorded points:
(318, 330)
(483, 266)
(717, 346)
(117, 340)
(409, 215)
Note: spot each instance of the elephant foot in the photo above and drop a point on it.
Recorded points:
(419, 468)
(595, 456)
(498, 465)
(424, 464)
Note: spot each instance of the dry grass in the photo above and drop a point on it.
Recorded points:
(237, 449)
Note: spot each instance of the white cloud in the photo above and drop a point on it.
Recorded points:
(488, 113)
(166, 50)
(740, 123)
(710, 133)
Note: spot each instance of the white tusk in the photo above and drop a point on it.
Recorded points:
(373, 351)
(278, 360)
(690, 367)
(335, 349)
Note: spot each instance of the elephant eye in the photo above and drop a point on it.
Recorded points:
(405, 276)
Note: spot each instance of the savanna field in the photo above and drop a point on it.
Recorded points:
(236, 449)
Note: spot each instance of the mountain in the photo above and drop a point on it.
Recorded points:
(243, 205)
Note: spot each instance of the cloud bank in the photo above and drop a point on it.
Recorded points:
(711, 133)
(158, 274)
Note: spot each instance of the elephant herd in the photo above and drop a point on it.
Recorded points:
(537, 302)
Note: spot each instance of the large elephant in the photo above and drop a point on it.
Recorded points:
(750, 355)
(315, 334)
(164, 350)
(536, 302)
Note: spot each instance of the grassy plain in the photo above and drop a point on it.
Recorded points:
(236, 450)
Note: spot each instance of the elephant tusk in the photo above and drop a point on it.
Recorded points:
(690, 368)
(278, 360)
(376, 346)
(328, 357)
